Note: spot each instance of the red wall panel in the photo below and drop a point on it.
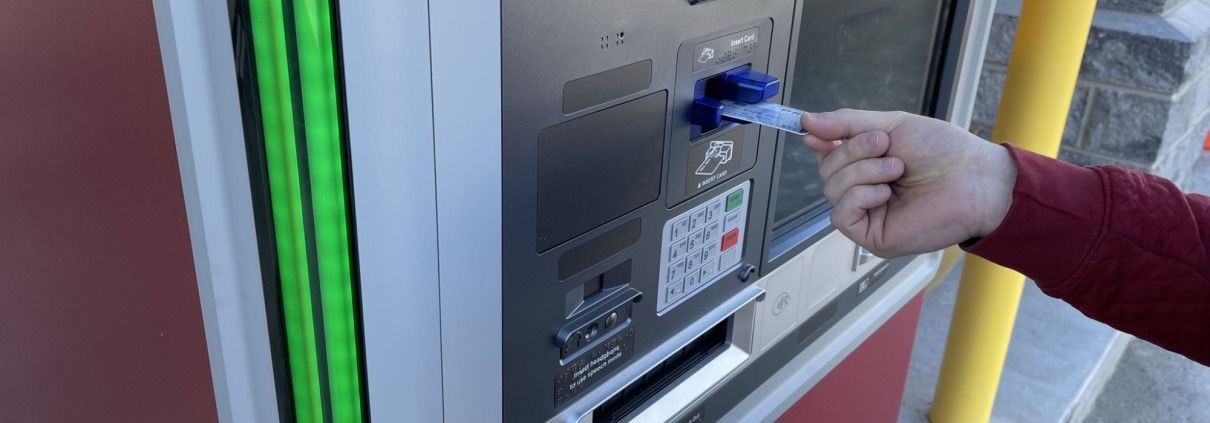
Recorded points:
(867, 386)
(99, 313)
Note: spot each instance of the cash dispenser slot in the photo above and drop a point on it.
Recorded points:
(639, 392)
(669, 380)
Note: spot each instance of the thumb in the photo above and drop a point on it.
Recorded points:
(847, 123)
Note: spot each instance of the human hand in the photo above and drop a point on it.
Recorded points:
(905, 184)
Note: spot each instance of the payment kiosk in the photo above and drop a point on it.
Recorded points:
(540, 214)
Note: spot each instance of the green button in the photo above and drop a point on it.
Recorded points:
(735, 199)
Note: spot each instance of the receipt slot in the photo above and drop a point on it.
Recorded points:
(547, 216)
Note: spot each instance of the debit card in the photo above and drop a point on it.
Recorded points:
(768, 114)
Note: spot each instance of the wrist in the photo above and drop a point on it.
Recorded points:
(999, 178)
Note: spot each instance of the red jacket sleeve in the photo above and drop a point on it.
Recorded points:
(1124, 247)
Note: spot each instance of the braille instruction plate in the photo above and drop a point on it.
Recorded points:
(590, 368)
(702, 245)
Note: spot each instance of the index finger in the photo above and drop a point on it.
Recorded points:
(847, 123)
(863, 146)
(820, 147)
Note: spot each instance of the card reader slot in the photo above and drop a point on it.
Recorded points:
(706, 120)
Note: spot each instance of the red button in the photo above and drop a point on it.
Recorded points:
(730, 239)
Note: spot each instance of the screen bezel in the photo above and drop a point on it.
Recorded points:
(786, 241)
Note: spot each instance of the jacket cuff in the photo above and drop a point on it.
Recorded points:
(1056, 216)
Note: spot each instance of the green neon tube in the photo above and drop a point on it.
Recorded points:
(317, 76)
(285, 192)
(300, 112)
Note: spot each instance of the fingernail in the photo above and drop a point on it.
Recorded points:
(871, 139)
(888, 163)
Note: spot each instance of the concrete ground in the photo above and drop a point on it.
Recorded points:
(1154, 385)
(1053, 356)
(1065, 368)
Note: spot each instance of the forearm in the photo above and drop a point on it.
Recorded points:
(1124, 247)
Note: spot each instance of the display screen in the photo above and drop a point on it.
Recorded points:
(862, 54)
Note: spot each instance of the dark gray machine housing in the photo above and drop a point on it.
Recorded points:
(597, 145)
(596, 99)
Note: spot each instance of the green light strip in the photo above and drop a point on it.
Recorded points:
(318, 80)
(268, 34)
(325, 182)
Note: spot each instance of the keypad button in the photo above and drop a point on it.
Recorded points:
(735, 199)
(711, 250)
(728, 258)
(697, 220)
(676, 270)
(680, 228)
(677, 250)
(675, 290)
(692, 280)
(732, 221)
(714, 210)
(692, 261)
(695, 241)
(730, 239)
(713, 230)
(709, 269)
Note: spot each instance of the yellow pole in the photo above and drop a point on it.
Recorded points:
(1042, 72)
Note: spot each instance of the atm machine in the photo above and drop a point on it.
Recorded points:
(534, 212)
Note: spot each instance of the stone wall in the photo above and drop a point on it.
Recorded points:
(1143, 97)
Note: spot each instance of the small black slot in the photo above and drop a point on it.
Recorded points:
(597, 289)
(624, 403)
(599, 249)
(819, 321)
(593, 286)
